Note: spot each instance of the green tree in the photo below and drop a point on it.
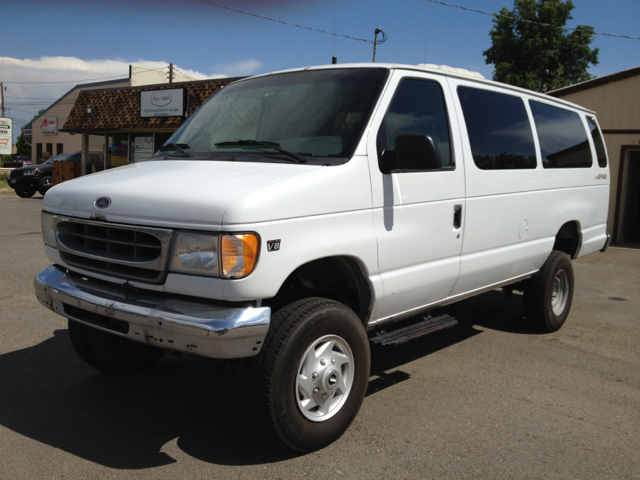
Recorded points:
(540, 57)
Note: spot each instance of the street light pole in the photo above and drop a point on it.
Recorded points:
(375, 43)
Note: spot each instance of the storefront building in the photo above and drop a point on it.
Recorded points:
(123, 125)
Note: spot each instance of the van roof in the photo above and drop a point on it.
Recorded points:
(445, 73)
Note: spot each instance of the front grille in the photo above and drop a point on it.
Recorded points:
(132, 252)
(16, 173)
(113, 243)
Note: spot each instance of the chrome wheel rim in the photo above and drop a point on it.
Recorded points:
(560, 292)
(324, 378)
(47, 182)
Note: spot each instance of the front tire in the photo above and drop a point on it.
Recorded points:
(111, 353)
(309, 380)
(548, 297)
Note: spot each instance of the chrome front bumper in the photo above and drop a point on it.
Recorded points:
(192, 326)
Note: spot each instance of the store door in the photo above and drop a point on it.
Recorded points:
(142, 147)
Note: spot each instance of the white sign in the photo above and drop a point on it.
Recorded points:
(162, 103)
(50, 126)
(6, 136)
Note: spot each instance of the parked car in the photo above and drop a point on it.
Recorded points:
(31, 178)
(17, 161)
(298, 216)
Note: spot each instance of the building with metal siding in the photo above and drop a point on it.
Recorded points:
(616, 100)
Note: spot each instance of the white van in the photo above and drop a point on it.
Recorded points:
(297, 216)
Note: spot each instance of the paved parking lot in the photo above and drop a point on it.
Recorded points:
(487, 399)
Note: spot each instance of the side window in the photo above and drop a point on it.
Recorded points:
(597, 141)
(417, 108)
(563, 139)
(499, 130)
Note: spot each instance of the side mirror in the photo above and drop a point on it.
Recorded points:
(413, 152)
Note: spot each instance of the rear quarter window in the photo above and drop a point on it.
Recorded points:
(499, 131)
(563, 138)
(601, 151)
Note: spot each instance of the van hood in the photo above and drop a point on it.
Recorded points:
(181, 193)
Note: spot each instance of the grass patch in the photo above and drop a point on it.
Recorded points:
(4, 183)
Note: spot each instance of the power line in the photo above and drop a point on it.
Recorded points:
(530, 21)
(290, 24)
(98, 78)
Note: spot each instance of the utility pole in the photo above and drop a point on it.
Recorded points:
(2, 88)
(171, 73)
(375, 43)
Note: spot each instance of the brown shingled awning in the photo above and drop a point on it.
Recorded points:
(118, 109)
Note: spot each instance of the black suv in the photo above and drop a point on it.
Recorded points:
(27, 180)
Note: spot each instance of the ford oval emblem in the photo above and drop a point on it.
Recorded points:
(103, 202)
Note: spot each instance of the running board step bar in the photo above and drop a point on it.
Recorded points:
(403, 335)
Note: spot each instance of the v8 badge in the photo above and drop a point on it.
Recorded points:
(273, 245)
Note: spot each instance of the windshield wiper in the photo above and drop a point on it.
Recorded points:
(274, 145)
(178, 148)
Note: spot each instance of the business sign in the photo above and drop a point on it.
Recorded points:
(6, 136)
(119, 150)
(163, 103)
(50, 126)
(26, 132)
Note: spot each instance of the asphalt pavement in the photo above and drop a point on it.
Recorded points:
(487, 399)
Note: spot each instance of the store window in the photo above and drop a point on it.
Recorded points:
(50, 148)
(38, 152)
(59, 148)
(117, 149)
(95, 150)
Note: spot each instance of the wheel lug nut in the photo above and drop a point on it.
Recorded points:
(333, 361)
(314, 375)
(323, 362)
(316, 390)
(324, 396)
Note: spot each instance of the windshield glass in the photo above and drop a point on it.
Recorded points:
(314, 117)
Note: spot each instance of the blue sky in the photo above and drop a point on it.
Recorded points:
(97, 39)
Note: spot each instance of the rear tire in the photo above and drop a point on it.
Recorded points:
(111, 353)
(309, 380)
(45, 185)
(25, 193)
(548, 297)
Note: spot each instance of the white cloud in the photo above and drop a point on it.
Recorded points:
(445, 68)
(239, 69)
(23, 100)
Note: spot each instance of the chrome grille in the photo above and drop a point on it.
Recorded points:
(131, 252)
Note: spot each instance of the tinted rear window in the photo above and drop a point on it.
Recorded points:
(598, 142)
(562, 136)
(499, 130)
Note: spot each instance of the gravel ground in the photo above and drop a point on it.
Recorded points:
(486, 399)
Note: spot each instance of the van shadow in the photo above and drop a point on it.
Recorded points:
(490, 311)
(49, 395)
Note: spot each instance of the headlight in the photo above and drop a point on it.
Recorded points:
(48, 232)
(238, 254)
(196, 254)
(29, 172)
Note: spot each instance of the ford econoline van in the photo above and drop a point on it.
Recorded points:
(298, 216)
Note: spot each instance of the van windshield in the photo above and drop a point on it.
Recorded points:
(312, 117)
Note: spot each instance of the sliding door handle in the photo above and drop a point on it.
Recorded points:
(457, 216)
